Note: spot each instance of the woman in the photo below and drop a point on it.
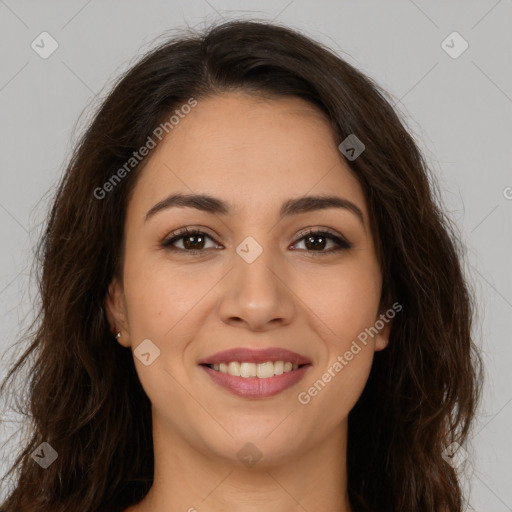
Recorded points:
(251, 299)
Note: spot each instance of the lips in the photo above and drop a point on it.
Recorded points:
(255, 356)
(255, 387)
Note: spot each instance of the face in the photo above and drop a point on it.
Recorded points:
(257, 270)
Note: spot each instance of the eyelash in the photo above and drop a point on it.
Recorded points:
(180, 234)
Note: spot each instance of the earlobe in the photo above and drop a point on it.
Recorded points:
(116, 314)
(382, 338)
(380, 342)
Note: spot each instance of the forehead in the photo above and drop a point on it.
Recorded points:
(249, 151)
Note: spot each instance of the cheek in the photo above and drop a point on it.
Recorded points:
(166, 305)
(331, 393)
(344, 304)
(344, 299)
(345, 311)
(160, 306)
(160, 296)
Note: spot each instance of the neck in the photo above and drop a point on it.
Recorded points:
(188, 479)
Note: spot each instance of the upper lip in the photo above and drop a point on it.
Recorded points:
(250, 355)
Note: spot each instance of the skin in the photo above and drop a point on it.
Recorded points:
(255, 154)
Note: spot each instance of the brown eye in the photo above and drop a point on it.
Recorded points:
(315, 242)
(193, 241)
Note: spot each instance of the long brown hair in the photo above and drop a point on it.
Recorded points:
(84, 397)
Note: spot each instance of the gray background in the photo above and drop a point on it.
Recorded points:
(459, 111)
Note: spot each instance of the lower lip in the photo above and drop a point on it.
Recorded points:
(254, 387)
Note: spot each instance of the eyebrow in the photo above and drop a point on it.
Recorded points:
(213, 205)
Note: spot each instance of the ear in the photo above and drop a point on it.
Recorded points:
(382, 338)
(115, 309)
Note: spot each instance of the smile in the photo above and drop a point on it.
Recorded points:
(262, 370)
(256, 380)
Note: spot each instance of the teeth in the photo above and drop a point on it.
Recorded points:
(248, 370)
(261, 370)
(265, 370)
(234, 368)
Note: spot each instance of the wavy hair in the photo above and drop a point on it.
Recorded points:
(83, 395)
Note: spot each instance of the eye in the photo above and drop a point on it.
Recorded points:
(315, 242)
(193, 241)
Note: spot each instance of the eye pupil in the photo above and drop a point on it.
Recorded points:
(317, 245)
(186, 241)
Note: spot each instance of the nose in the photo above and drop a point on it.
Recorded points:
(256, 294)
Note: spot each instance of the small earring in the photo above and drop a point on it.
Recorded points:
(118, 335)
